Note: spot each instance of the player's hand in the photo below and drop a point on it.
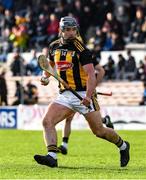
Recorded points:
(46, 74)
(86, 101)
(44, 81)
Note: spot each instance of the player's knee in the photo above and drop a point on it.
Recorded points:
(46, 123)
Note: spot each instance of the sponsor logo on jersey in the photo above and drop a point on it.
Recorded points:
(64, 65)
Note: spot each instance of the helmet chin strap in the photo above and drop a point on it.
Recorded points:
(64, 41)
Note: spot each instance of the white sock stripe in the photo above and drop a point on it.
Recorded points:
(53, 155)
(123, 147)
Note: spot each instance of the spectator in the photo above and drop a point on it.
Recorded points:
(130, 67)
(7, 45)
(41, 31)
(26, 95)
(145, 68)
(121, 12)
(120, 70)
(86, 19)
(110, 69)
(32, 92)
(52, 28)
(20, 94)
(44, 8)
(111, 24)
(3, 57)
(117, 41)
(32, 67)
(17, 66)
(9, 19)
(108, 42)
(143, 33)
(143, 101)
(3, 89)
(140, 71)
(19, 37)
(100, 37)
(61, 9)
(77, 10)
(136, 27)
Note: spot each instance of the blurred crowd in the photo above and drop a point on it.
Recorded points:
(104, 24)
(27, 94)
(123, 69)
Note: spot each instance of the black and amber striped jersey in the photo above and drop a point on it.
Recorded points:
(69, 60)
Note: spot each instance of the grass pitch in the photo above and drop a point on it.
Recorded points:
(88, 158)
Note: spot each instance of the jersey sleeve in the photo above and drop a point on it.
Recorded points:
(85, 57)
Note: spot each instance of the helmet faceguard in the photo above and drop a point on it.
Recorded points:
(68, 21)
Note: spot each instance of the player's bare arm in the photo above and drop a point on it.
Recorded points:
(100, 73)
(91, 82)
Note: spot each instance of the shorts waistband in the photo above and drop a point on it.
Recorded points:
(63, 90)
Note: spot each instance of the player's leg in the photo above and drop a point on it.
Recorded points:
(95, 122)
(106, 120)
(56, 113)
(65, 134)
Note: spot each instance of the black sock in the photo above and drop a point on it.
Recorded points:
(120, 142)
(65, 139)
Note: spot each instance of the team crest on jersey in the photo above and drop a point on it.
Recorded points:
(64, 65)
